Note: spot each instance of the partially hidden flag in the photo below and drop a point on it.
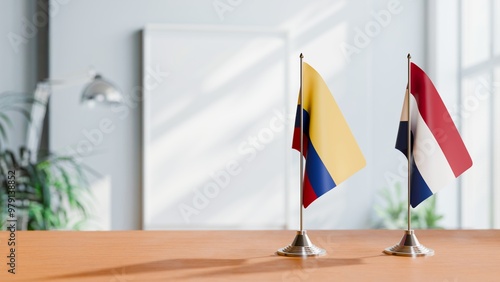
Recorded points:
(332, 154)
(439, 154)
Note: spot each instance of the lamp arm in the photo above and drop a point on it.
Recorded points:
(97, 88)
(39, 109)
(37, 117)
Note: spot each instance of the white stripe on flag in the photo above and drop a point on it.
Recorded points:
(429, 158)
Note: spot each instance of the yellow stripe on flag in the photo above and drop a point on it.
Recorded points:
(328, 129)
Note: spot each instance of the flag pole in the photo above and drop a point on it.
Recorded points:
(409, 246)
(301, 245)
(301, 147)
(409, 153)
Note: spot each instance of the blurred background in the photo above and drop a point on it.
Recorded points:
(201, 138)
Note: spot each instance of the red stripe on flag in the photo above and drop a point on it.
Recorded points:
(439, 121)
(296, 141)
(308, 194)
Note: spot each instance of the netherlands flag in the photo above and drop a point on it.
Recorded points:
(331, 152)
(439, 154)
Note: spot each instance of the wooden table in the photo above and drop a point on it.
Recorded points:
(356, 255)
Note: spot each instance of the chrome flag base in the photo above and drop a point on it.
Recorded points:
(301, 247)
(409, 247)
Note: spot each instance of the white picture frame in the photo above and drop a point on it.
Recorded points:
(208, 92)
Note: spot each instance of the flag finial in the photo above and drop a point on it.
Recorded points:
(409, 56)
(301, 56)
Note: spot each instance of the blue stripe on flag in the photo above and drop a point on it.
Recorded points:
(306, 120)
(319, 177)
(419, 188)
(402, 138)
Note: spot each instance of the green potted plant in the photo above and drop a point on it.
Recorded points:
(49, 193)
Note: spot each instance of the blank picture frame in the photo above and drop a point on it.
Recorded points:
(216, 133)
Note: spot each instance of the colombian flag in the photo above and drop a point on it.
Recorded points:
(439, 154)
(331, 152)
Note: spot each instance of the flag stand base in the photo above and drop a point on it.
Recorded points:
(301, 247)
(409, 247)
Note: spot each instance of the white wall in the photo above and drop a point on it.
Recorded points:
(368, 86)
(17, 57)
